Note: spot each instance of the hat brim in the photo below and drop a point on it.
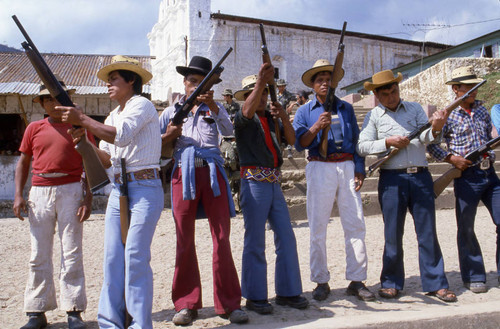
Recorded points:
(240, 94)
(372, 86)
(104, 72)
(186, 70)
(465, 82)
(46, 92)
(307, 76)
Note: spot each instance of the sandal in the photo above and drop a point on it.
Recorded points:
(445, 295)
(388, 292)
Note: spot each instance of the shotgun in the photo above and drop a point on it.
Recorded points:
(393, 151)
(95, 172)
(271, 85)
(212, 78)
(443, 181)
(329, 105)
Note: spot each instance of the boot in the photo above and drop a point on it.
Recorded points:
(37, 320)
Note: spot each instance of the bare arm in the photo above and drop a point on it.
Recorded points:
(78, 133)
(75, 116)
(21, 176)
(278, 112)
(323, 121)
(252, 103)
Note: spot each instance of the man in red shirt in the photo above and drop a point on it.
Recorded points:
(58, 195)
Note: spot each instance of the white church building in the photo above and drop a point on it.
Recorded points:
(186, 28)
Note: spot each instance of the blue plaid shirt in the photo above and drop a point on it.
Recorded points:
(464, 133)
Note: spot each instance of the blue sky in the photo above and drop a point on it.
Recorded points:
(121, 26)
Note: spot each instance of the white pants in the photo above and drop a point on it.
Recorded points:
(325, 180)
(49, 205)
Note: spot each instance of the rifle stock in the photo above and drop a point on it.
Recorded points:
(442, 182)
(271, 85)
(337, 75)
(418, 131)
(205, 85)
(96, 174)
(124, 209)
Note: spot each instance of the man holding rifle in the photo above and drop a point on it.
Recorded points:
(130, 132)
(340, 174)
(469, 127)
(404, 183)
(200, 189)
(262, 199)
(56, 197)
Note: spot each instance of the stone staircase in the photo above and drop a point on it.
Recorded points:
(294, 182)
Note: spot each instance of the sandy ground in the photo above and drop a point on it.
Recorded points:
(15, 250)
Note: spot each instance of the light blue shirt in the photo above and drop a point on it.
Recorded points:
(381, 123)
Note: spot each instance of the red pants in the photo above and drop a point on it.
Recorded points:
(186, 289)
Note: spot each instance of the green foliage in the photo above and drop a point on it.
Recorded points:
(490, 91)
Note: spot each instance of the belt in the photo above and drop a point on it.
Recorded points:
(332, 157)
(409, 170)
(51, 174)
(143, 174)
(485, 164)
(198, 163)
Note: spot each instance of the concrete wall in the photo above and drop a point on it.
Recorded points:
(184, 29)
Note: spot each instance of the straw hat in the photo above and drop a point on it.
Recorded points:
(227, 92)
(382, 78)
(465, 75)
(45, 92)
(120, 62)
(320, 66)
(247, 85)
(281, 82)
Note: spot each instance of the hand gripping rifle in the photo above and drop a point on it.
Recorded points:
(337, 75)
(96, 175)
(271, 85)
(442, 182)
(212, 78)
(393, 151)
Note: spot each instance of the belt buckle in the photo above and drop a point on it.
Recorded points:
(485, 164)
(411, 170)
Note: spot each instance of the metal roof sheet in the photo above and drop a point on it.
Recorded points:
(18, 76)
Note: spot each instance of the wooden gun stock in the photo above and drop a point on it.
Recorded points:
(124, 207)
(271, 85)
(96, 174)
(337, 75)
(442, 182)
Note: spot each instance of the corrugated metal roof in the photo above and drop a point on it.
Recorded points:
(17, 75)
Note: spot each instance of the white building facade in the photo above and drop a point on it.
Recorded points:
(186, 28)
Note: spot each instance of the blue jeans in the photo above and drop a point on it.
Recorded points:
(261, 201)
(127, 271)
(473, 186)
(399, 192)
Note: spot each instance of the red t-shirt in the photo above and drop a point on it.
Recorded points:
(269, 140)
(53, 151)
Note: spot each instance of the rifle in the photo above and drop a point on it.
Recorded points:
(96, 174)
(393, 151)
(337, 75)
(442, 182)
(271, 85)
(210, 79)
(124, 218)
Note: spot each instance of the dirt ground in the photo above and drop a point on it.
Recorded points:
(15, 252)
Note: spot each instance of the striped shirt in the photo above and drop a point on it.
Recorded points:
(464, 133)
(138, 137)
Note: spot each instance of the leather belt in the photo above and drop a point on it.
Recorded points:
(143, 174)
(409, 170)
(51, 174)
(198, 163)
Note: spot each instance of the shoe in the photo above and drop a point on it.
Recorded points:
(321, 291)
(184, 317)
(260, 306)
(298, 301)
(476, 287)
(37, 320)
(238, 316)
(75, 320)
(388, 293)
(289, 154)
(358, 289)
(444, 294)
